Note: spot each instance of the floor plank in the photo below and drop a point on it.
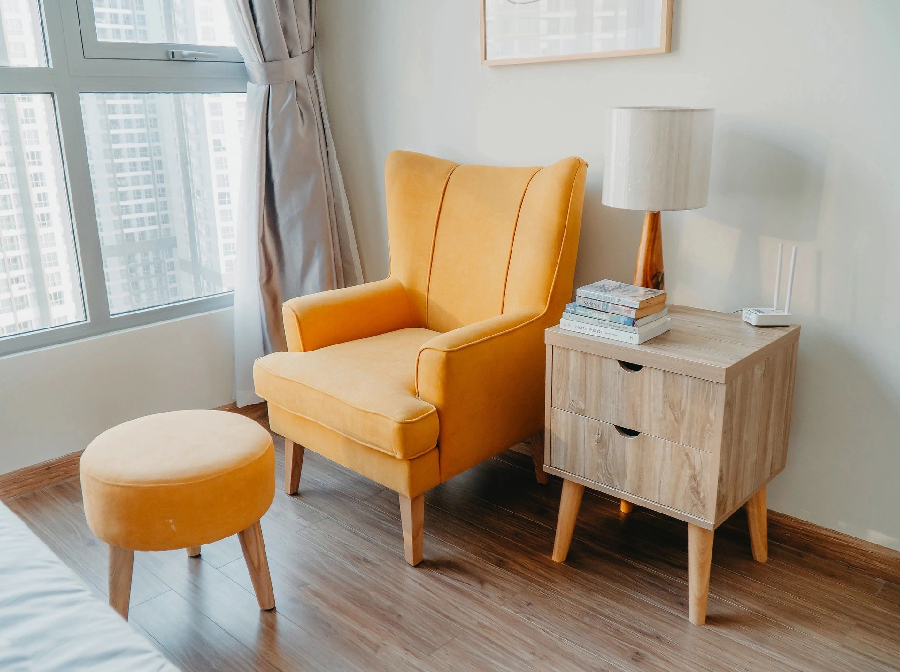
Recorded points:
(486, 596)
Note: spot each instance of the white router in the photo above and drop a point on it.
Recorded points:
(773, 317)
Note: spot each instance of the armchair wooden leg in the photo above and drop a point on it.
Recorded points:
(537, 456)
(569, 503)
(412, 517)
(293, 465)
(254, 550)
(700, 543)
(193, 551)
(121, 565)
(625, 506)
(757, 516)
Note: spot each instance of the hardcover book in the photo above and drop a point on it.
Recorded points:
(642, 335)
(581, 313)
(622, 294)
(608, 307)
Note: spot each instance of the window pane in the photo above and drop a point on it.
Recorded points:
(39, 281)
(163, 21)
(158, 162)
(22, 31)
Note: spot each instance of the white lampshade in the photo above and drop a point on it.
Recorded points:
(657, 158)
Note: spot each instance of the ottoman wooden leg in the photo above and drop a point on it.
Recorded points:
(412, 518)
(193, 551)
(293, 465)
(121, 564)
(258, 565)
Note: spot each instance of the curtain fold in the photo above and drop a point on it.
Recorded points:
(294, 232)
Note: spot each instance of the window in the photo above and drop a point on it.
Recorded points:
(182, 118)
(151, 29)
(21, 205)
(141, 168)
(23, 34)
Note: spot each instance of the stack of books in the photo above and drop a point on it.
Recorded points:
(621, 312)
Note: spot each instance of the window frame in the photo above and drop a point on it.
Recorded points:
(68, 74)
(143, 51)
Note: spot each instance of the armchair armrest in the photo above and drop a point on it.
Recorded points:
(487, 382)
(340, 315)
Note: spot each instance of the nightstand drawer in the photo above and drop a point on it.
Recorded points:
(670, 405)
(646, 466)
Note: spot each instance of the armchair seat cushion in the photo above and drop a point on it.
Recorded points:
(363, 389)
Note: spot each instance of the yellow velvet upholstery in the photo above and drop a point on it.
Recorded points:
(177, 480)
(448, 350)
(407, 477)
(366, 389)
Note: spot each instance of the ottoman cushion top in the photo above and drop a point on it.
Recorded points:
(174, 480)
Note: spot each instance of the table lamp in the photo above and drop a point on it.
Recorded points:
(657, 158)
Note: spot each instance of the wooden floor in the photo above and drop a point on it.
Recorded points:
(487, 596)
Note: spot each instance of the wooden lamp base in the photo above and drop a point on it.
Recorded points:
(648, 272)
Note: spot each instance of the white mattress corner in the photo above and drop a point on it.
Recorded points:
(50, 621)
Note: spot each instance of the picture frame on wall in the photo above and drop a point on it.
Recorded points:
(534, 31)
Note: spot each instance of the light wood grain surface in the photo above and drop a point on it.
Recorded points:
(348, 601)
(293, 464)
(743, 423)
(412, 521)
(644, 466)
(39, 475)
(121, 562)
(756, 429)
(757, 520)
(658, 429)
(649, 270)
(665, 404)
(700, 547)
(569, 503)
(253, 548)
(701, 343)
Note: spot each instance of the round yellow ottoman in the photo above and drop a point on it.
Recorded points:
(179, 480)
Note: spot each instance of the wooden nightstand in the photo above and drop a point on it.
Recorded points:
(693, 424)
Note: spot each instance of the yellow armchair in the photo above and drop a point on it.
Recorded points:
(411, 380)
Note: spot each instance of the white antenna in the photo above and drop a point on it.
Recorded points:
(790, 287)
(778, 275)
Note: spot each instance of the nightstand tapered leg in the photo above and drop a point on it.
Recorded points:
(700, 543)
(569, 504)
(757, 517)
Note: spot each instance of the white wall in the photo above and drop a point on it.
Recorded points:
(807, 152)
(54, 401)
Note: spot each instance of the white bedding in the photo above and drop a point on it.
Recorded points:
(50, 622)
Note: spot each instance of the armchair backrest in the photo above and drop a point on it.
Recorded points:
(472, 242)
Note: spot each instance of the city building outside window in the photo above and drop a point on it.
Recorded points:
(116, 155)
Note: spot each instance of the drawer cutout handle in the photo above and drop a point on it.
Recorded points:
(627, 433)
(629, 367)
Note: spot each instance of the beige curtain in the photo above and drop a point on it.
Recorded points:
(294, 235)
